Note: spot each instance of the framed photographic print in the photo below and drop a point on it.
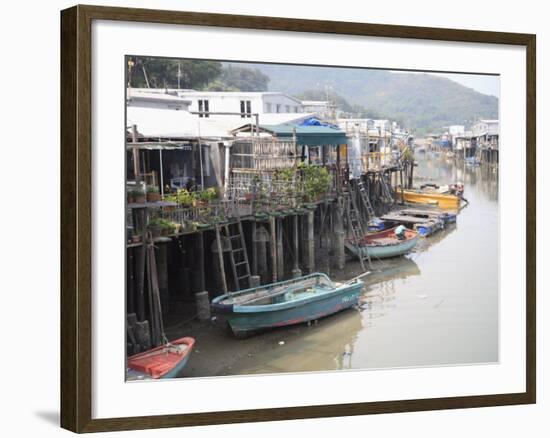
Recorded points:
(269, 218)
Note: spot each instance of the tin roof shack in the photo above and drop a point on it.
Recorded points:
(373, 141)
(324, 109)
(486, 133)
(170, 148)
(259, 154)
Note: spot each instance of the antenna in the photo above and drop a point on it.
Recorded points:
(145, 75)
(130, 65)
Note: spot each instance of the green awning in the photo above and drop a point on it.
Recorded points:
(308, 135)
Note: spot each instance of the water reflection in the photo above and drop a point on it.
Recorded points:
(437, 305)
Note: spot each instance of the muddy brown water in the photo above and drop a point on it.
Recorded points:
(436, 306)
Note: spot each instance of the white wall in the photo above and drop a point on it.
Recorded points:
(30, 278)
(231, 102)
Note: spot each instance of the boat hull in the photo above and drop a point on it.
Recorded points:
(444, 201)
(152, 364)
(247, 320)
(382, 252)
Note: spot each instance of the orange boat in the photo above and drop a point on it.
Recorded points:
(442, 200)
(164, 362)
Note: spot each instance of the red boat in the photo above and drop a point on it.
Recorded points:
(162, 362)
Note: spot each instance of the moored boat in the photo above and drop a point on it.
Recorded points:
(383, 244)
(442, 200)
(164, 362)
(286, 302)
(472, 161)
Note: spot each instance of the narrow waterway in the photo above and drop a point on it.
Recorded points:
(436, 306)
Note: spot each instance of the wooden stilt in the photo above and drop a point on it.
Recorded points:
(280, 250)
(273, 248)
(221, 264)
(199, 278)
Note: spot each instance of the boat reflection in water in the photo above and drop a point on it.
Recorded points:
(437, 305)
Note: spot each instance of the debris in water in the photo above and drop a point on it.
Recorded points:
(281, 342)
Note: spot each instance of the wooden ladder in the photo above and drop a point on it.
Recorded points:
(386, 193)
(238, 255)
(356, 227)
(365, 199)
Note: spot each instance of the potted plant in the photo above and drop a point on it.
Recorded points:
(204, 197)
(155, 226)
(316, 182)
(130, 196)
(139, 195)
(153, 194)
(183, 197)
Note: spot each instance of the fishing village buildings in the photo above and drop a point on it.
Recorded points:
(480, 142)
(232, 190)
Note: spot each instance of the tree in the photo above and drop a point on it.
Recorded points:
(149, 72)
(244, 79)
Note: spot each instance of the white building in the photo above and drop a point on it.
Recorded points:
(456, 130)
(148, 99)
(242, 103)
(321, 108)
(486, 127)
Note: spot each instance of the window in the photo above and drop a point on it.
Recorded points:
(287, 108)
(204, 107)
(278, 108)
(246, 108)
(295, 109)
(268, 107)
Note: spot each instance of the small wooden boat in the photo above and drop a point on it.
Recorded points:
(383, 244)
(472, 161)
(442, 200)
(286, 302)
(164, 362)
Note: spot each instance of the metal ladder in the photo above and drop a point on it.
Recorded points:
(365, 199)
(238, 256)
(356, 228)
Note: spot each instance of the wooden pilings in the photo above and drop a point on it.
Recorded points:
(339, 236)
(280, 249)
(221, 264)
(308, 240)
(199, 280)
(162, 273)
(296, 271)
(273, 248)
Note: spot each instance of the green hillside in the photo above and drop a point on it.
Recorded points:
(422, 102)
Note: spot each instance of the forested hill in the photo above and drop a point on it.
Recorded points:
(419, 101)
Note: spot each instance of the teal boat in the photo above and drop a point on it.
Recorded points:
(285, 303)
(383, 244)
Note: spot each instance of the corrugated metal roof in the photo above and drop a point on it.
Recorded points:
(309, 135)
(168, 123)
